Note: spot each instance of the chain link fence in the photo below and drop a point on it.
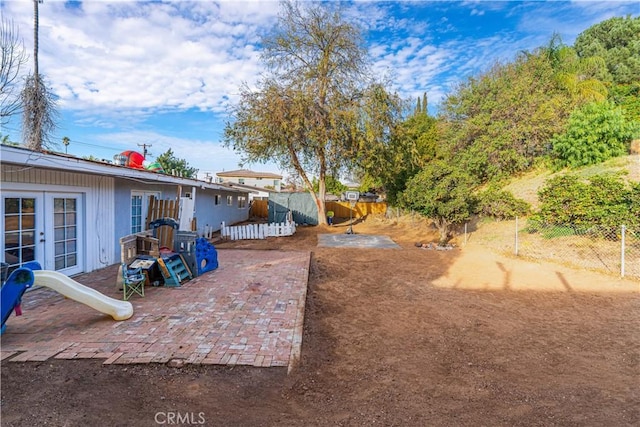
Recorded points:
(614, 250)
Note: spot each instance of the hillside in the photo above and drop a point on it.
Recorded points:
(526, 186)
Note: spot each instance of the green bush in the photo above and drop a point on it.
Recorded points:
(501, 205)
(604, 202)
(442, 192)
(596, 132)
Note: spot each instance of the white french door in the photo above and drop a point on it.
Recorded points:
(45, 227)
(64, 231)
(23, 228)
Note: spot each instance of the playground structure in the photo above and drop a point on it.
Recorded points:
(32, 274)
(188, 256)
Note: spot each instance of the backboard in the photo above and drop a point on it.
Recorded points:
(352, 196)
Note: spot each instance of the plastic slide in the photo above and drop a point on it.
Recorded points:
(12, 292)
(119, 310)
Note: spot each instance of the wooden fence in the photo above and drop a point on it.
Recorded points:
(163, 209)
(260, 209)
(257, 231)
(361, 209)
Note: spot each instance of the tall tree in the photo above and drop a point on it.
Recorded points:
(174, 165)
(38, 103)
(66, 141)
(411, 147)
(497, 124)
(616, 41)
(309, 112)
(442, 192)
(13, 56)
(583, 79)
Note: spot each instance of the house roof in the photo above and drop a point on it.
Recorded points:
(246, 173)
(57, 161)
(249, 188)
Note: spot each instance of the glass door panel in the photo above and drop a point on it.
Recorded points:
(21, 236)
(64, 233)
(65, 223)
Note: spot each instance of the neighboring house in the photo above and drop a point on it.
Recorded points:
(255, 193)
(265, 180)
(69, 213)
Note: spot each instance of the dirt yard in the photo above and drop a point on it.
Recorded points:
(406, 337)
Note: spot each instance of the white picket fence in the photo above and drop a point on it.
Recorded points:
(257, 231)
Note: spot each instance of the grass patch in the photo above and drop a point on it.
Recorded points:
(558, 231)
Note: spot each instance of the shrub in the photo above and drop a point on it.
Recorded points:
(596, 132)
(501, 204)
(443, 193)
(605, 201)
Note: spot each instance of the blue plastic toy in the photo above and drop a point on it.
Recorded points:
(206, 256)
(14, 288)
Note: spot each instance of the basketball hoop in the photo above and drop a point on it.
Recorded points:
(352, 197)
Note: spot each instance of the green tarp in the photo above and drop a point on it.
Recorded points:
(301, 205)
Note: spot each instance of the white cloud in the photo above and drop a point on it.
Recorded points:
(116, 64)
(115, 57)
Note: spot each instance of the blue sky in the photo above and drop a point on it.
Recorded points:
(164, 73)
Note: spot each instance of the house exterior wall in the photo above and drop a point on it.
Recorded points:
(98, 205)
(122, 196)
(102, 195)
(207, 213)
(210, 214)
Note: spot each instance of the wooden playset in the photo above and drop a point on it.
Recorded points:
(143, 256)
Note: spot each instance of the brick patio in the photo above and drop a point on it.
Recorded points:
(249, 311)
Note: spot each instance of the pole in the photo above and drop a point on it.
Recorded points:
(622, 245)
(516, 236)
(144, 149)
(465, 233)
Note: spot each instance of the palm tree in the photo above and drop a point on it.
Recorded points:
(580, 77)
(38, 103)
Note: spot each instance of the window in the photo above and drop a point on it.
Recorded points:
(19, 230)
(240, 180)
(136, 213)
(65, 226)
(139, 208)
(276, 183)
(242, 202)
(229, 200)
(216, 199)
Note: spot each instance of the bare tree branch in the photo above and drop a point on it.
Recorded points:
(14, 56)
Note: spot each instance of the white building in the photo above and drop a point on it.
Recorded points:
(264, 180)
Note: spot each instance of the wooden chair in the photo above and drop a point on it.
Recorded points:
(133, 281)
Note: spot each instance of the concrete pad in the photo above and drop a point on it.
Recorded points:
(249, 311)
(356, 241)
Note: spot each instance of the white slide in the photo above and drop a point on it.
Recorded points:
(119, 310)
